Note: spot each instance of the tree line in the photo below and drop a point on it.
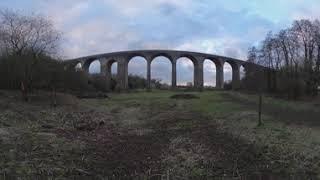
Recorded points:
(134, 82)
(294, 56)
(29, 48)
(29, 59)
(30, 44)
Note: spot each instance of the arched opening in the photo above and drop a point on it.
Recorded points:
(137, 73)
(209, 73)
(185, 72)
(242, 72)
(161, 72)
(78, 67)
(227, 70)
(114, 68)
(95, 67)
(112, 72)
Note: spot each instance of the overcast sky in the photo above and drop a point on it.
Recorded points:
(223, 27)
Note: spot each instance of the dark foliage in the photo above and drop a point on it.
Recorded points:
(227, 85)
(184, 96)
(138, 82)
(40, 73)
(293, 55)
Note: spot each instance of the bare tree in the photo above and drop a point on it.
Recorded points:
(252, 54)
(27, 39)
(296, 52)
(21, 35)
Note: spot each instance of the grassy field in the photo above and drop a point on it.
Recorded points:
(148, 135)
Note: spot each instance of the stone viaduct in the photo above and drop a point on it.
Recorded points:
(123, 58)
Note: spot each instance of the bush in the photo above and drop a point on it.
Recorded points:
(40, 73)
(227, 85)
(99, 82)
(292, 88)
(49, 74)
(136, 82)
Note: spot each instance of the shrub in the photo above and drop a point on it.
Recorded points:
(99, 82)
(40, 73)
(227, 85)
(291, 88)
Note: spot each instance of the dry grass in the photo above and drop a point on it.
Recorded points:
(148, 135)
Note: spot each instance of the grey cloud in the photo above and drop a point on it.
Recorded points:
(92, 27)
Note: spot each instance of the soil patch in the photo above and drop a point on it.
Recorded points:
(112, 152)
(93, 95)
(184, 96)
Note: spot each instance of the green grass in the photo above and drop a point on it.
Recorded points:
(214, 103)
(280, 103)
(241, 120)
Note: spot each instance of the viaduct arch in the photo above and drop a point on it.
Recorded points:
(122, 59)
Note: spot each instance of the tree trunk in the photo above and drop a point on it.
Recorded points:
(54, 97)
(24, 91)
(260, 110)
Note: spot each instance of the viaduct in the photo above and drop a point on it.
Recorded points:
(123, 58)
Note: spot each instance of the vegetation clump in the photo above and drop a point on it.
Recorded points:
(293, 56)
(184, 96)
(93, 95)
